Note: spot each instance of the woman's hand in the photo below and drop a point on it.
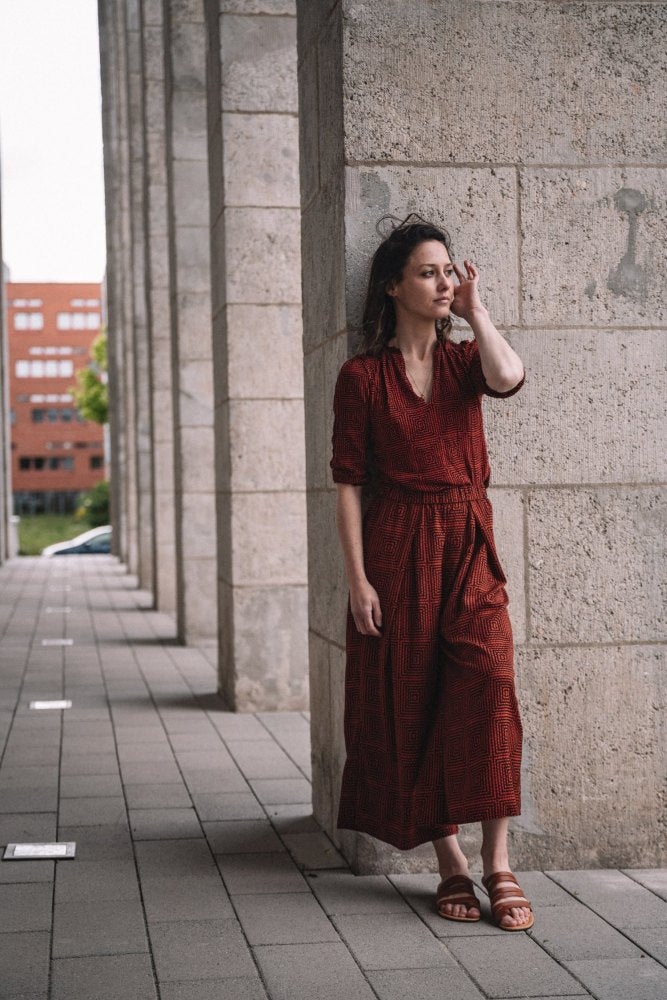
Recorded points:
(466, 294)
(365, 607)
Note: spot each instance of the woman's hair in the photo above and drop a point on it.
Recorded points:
(379, 316)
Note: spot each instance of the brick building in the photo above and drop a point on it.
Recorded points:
(55, 453)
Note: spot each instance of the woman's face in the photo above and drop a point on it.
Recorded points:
(427, 287)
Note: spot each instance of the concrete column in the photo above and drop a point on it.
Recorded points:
(190, 286)
(158, 303)
(113, 53)
(255, 223)
(141, 357)
(529, 131)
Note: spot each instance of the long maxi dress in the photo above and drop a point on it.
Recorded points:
(432, 726)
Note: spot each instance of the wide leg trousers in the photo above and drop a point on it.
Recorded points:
(432, 726)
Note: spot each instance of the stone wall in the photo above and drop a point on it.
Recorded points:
(533, 132)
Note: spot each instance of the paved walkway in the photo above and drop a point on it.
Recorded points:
(199, 871)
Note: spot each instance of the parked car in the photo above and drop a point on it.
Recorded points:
(95, 541)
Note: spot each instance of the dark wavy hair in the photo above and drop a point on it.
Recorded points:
(379, 315)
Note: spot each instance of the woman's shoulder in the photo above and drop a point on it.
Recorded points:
(360, 366)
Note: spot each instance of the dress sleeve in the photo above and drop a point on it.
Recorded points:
(475, 374)
(351, 428)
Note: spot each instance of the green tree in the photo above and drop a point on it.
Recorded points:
(91, 393)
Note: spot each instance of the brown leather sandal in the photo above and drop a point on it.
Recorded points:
(503, 899)
(457, 889)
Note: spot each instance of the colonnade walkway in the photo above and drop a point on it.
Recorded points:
(199, 872)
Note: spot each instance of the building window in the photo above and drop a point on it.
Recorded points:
(22, 369)
(37, 416)
(92, 320)
(28, 321)
(96, 461)
(63, 321)
(67, 462)
(40, 369)
(24, 463)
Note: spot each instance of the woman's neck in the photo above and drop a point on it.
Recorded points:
(417, 344)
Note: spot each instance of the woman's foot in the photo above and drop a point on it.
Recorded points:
(504, 890)
(452, 861)
(463, 905)
(496, 859)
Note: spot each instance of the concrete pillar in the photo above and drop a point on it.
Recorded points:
(255, 223)
(529, 130)
(190, 290)
(158, 304)
(141, 356)
(115, 121)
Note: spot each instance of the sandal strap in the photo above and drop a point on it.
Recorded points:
(457, 888)
(504, 898)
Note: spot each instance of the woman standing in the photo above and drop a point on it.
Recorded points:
(432, 727)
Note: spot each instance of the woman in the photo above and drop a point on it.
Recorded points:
(432, 726)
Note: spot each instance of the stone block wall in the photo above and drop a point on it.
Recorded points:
(5, 450)
(532, 132)
(258, 369)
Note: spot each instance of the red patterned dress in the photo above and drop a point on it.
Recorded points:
(432, 726)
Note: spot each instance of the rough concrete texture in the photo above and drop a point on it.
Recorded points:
(616, 375)
(579, 82)
(592, 246)
(594, 733)
(611, 541)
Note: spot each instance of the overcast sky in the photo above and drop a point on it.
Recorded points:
(51, 140)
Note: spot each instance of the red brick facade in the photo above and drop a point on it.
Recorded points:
(50, 329)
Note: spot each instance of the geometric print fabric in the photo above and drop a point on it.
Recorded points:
(432, 726)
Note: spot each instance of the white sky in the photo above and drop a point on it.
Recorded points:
(51, 141)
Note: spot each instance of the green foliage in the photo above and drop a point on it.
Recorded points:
(36, 531)
(94, 506)
(91, 393)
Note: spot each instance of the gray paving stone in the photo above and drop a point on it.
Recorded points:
(284, 918)
(28, 777)
(617, 898)
(262, 759)
(251, 873)
(654, 879)
(391, 941)
(292, 817)
(172, 858)
(102, 927)
(270, 791)
(27, 827)
(145, 752)
(26, 800)
(209, 740)
(26, 871)
(25, 906)
(73, 746)
(245, 988)
(200, 949)
(169, 796)
(227, 806)
(313, 850)
(93, 810)
(164, 824)
(239, 726)
(652, 940)
(622, 978)
(92, 763)
(242, 837)
(186, 898)
(578, 933)
(200, 760)
(417, 984)
(24, 960)
(514, 966)
(343, 892)
(139, 734)
(104, 977)
(230, 780)
(91, 880)
(99, 843)
(35, 755)
(76, 786)
(150, 772)
(323, 971)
